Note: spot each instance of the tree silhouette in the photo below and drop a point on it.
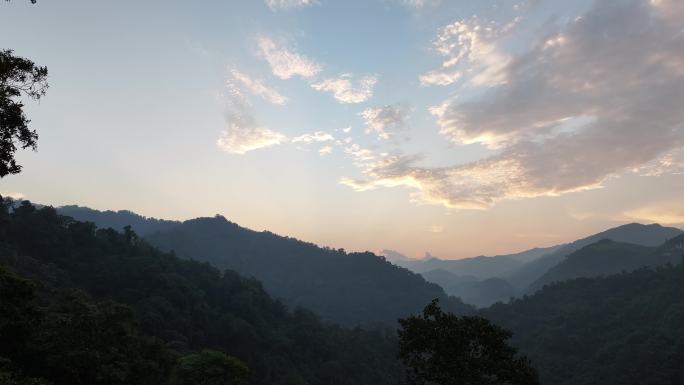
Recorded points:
(18, 77)
(440, 348)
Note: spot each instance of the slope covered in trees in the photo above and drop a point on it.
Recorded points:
(347, 288)
(117, 220)
(604, 258)
(620, 329)
(635, 233)
(188, 305)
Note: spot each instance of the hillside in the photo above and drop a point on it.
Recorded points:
(635, 233)
(602, 258)
(117, 220)
(621, 329)
(189, 305)
(347, 288)
(470, 289)
(481, 267)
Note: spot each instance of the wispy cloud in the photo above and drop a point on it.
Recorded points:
(237, 139)
(418, 4)
(621, 83)
(242, 133)
(286, 63)
(257, 87)
(470, 52)
(318, 136)
(347, 90)
(385, 120)
(276, 5)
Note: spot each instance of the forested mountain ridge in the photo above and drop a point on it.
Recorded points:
(635, 233)
(621, 329)
(604, 258)
(117, 220)
(187, 304)
(347, 288)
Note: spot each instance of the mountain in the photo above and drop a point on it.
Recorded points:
(481, 267)
(472, 290)
(602, 258)
(117, 220)
(347, 288)
(620, 329)
(607, 257)
(397, 258)
(106, 308)
(446, 278)
(635, 233)
(533, 254)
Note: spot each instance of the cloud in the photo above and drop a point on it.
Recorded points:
(318, 136)
(384, 120)
(286, 63)
(242, 134)
(257, 87)
(596, 100)
(417, 4)
(661, 215)
(346, 90)
(436, 229)
(237, 139)
(671, 163)
(276, 5)
(470, 52)
(325, 150)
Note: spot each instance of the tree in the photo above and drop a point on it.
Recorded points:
(18, 77)
(440, 348)
(210, 367)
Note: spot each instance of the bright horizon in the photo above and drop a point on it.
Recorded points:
(410, 125)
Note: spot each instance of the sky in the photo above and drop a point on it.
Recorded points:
(456, 128)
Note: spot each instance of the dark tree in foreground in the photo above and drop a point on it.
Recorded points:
(18, 77)
(440, 348)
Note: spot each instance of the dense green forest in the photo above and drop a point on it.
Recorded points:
(604, 258)
(620, 329)
(346, 288)
(134, 297)
(74, 288)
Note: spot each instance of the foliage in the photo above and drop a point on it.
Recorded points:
(346, 288)
(620, 329)
(210, 367)
(444, 349)
(189, 305)
(18, 77)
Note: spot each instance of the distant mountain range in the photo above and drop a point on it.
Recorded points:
(372, 289)
(482, 280)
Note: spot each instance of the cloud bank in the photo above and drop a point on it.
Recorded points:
(598, 98)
